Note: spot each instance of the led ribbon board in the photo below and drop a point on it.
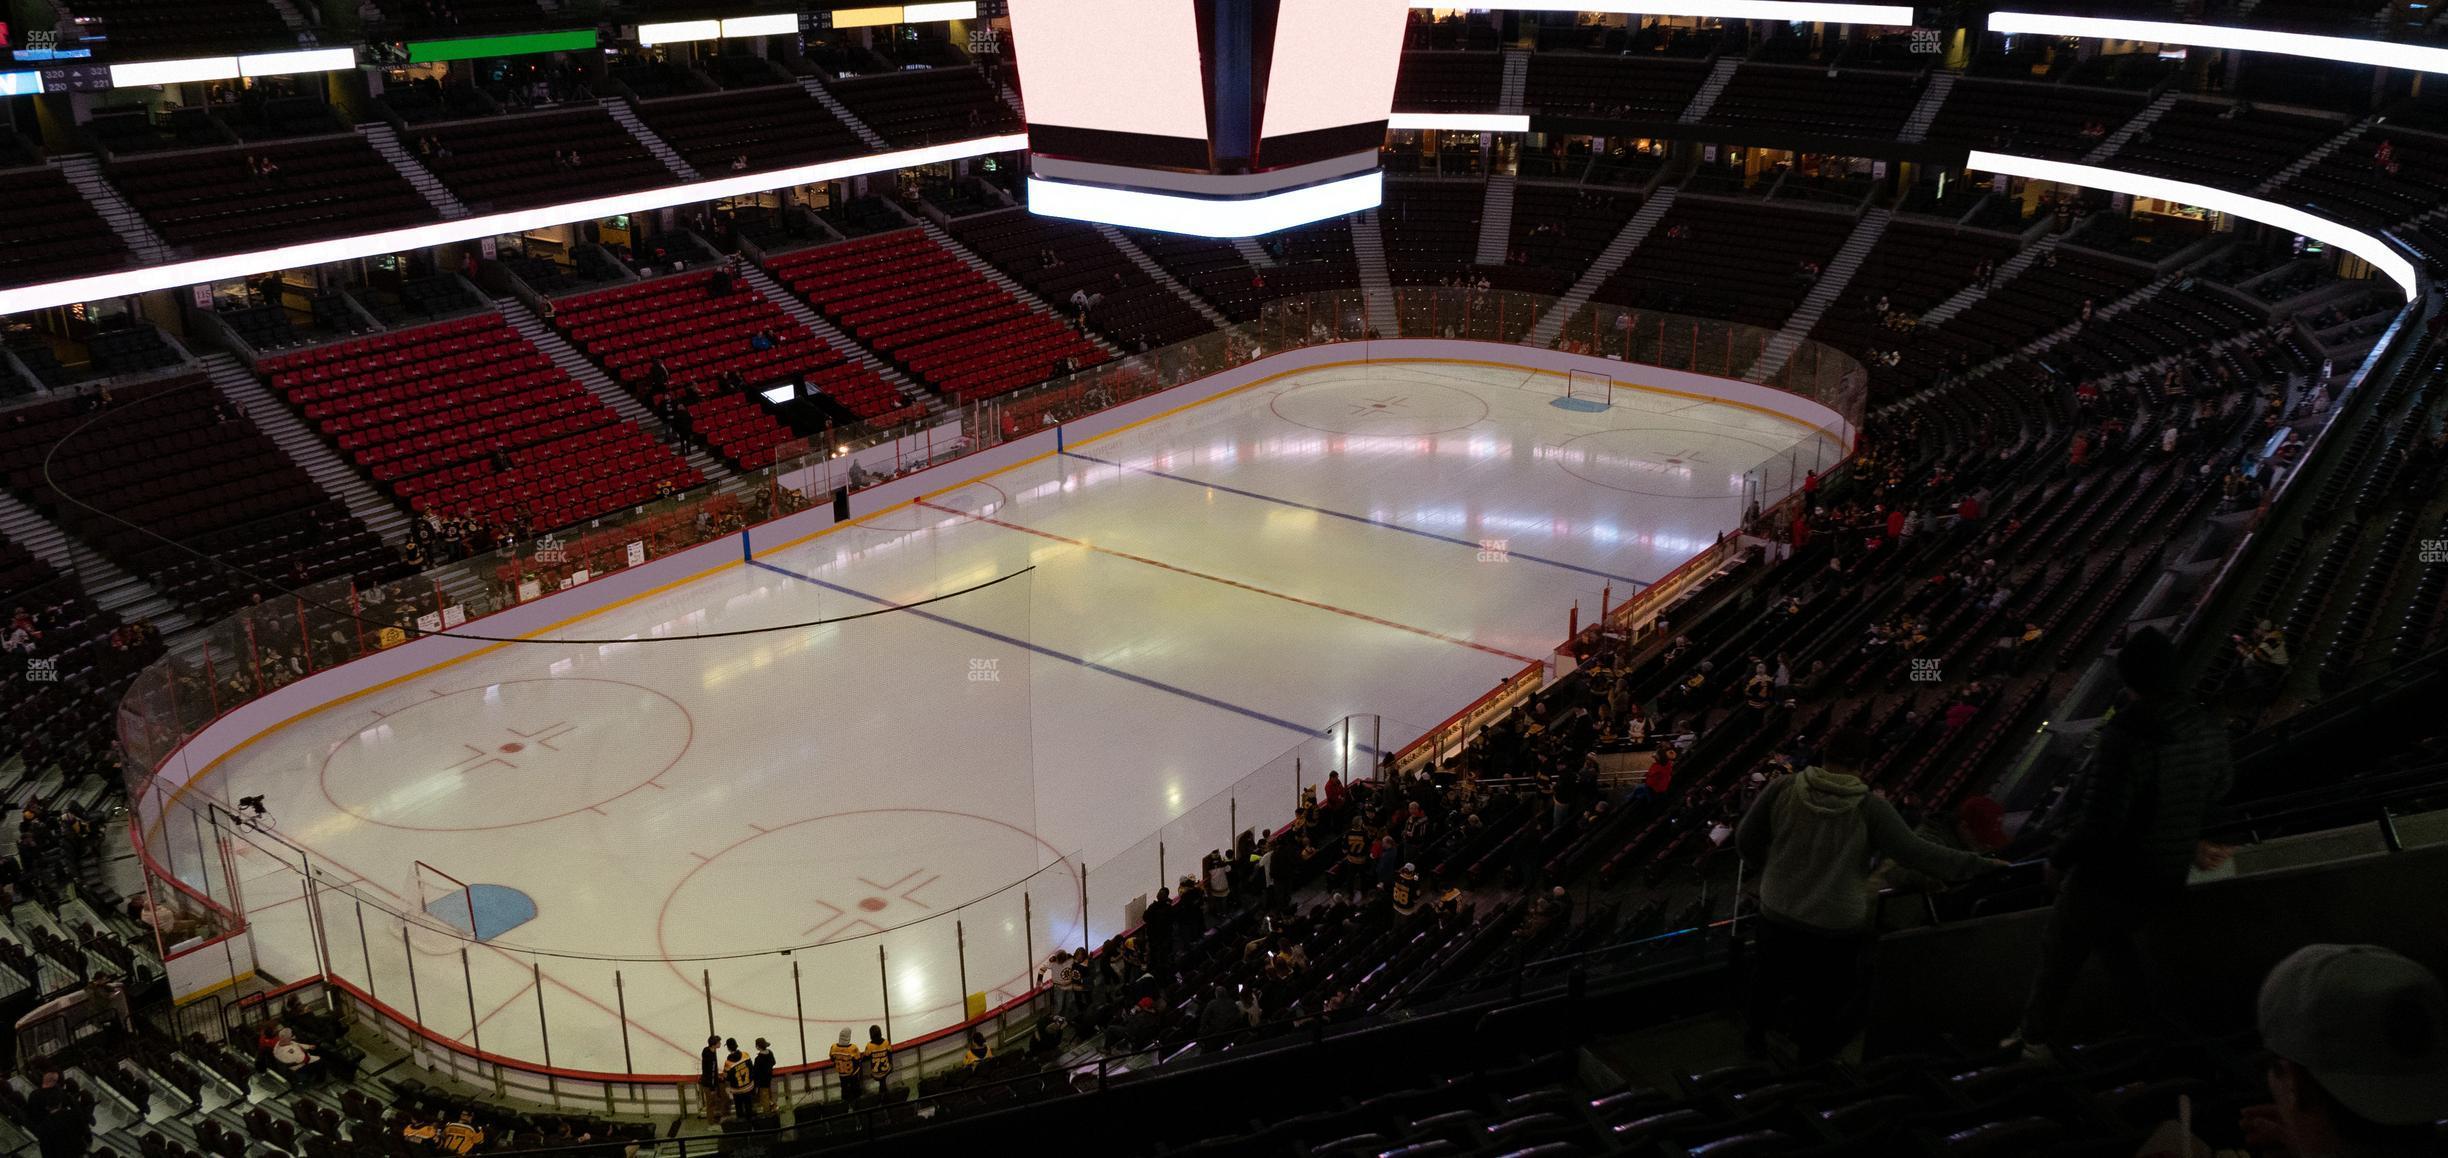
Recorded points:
(479, 47)
(1462, 122)
(2363, 245)
(1202, 216)
(2379, 53)
(1790, 11)
(211, 269)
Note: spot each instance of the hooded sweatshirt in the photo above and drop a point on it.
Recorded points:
(1813, 837)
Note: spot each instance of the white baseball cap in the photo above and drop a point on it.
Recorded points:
(2370, 1024)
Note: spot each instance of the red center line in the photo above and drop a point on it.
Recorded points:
(1235, 583)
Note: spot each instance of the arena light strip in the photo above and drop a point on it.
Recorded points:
(144, 73)
(903, 14)
(684, 31)
(2363, 245)
(313, 253)
(2380, 53)
(1462, 122)
(1198, 216)
(1794, 11)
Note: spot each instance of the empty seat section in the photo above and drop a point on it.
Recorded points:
(1128, 306)
(513, 162)
(944, 323)
(466, 417)
(1725, 259)
(2040, 120)
(168, 458)
(48, 230)
(1449, 82)
(919, 108)
(699, 336)
(1611, 87)
(215, 202)
(766, 128)
(1431, 229)
(1852, 102)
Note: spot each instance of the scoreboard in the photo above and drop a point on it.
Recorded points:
(1223, 118)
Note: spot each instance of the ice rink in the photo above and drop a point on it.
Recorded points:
(1208, 590)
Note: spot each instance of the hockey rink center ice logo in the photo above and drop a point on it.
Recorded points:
(1494, 550)
(550, 549)
(985, 671)
(42, 671)
(2433, 551)
(1925, 671)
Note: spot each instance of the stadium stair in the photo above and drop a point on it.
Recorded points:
(1962, 299)
(2142, 120)
(1376, 286)
(1162, 277)
(2304, 164)
(84, 171)
(1496, 220)
(842, 113)
(111, 587)
(1823, 293)
(1509, 98)
(1602, 267)
(823, 327)
(1011, 97)
(943, 237)
(2109, 310)
(1702, 101)
(656, 145)
(1253, 253)
(579, 366)
(1933, 98)
(386, 142)
(304, 447)
(296, 22)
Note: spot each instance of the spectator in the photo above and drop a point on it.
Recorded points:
(2357, 1038)
(63, 1126)
(739, 1080)
(1812, 835)
(875, 1062)
(2160, 764)
(845, 1058)
(761, 1072)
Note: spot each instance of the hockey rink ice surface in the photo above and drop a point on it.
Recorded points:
(1208, 589)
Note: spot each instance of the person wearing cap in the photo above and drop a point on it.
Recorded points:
(1810, 839)
(2357, 1038)
(2160, 765)
(1407, 889)
(845, 1056)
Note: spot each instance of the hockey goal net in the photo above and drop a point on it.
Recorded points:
(444, 903)
(1590, 387)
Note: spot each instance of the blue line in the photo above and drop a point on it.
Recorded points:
(1050, 653)
(1361, 519)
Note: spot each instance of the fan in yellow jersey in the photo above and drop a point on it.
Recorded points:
(876, 1062)
(461, 1136)
(740, 1082)
(845, 1065)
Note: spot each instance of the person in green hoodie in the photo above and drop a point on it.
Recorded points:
(1811, 839)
